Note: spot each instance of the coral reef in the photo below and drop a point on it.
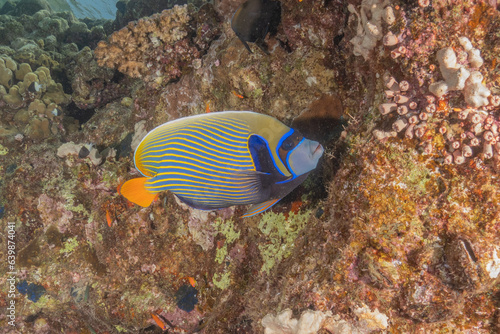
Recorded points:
(396, 231)
(457, 130)
(135, 9)
(159, 48)
(31, 100)
(372, 17)
(92, 85)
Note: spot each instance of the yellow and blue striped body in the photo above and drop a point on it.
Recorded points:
(216, 160)
(203, 160)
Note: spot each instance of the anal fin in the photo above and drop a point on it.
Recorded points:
(261, 207)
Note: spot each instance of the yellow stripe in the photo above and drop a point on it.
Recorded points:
(150, 150)
(204, 128)
(260, 208)
(198, 177)
(143, 162)
(183, 187)
(246, 129)
(169, 128)
(233, 177)
(227, 119)
(165, 129)
(215, 198)
(245, 149)
(198, 166)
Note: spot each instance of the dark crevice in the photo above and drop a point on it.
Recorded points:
(82, 115)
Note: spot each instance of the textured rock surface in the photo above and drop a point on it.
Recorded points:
(387, 234)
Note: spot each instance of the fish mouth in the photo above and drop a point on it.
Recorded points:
(318, 150)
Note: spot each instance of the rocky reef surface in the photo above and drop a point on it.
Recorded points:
(397, 231)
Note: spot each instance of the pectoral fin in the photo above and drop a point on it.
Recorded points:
(261, 207)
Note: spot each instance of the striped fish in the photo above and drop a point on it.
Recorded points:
(221, 159)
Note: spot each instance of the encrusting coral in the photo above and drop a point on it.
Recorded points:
(157, 48)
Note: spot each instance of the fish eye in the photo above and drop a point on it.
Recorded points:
(287, 144)
(292, 141)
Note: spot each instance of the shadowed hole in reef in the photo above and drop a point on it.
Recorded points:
(322, 121)
(82, 115)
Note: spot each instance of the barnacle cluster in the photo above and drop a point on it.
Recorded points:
(314, 321)
(456, 132)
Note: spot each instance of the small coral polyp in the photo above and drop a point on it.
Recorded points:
(466, 130)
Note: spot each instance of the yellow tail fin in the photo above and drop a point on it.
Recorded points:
(135, 191)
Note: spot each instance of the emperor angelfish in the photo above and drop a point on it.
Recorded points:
(220, 159)
(254, 19)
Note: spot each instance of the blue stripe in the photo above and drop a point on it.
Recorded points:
(180, 148)
(261, 208)
(202, 130)
(285, 136)
(202, 140)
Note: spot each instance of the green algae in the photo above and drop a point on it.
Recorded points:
(69, 246)
(226, 228)
(281, 233)
(3, 150)
(257, 93)
(222, 281)
(109, 177)
(221, 254)
(66, 187)
(414, 174)
(120, 329)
